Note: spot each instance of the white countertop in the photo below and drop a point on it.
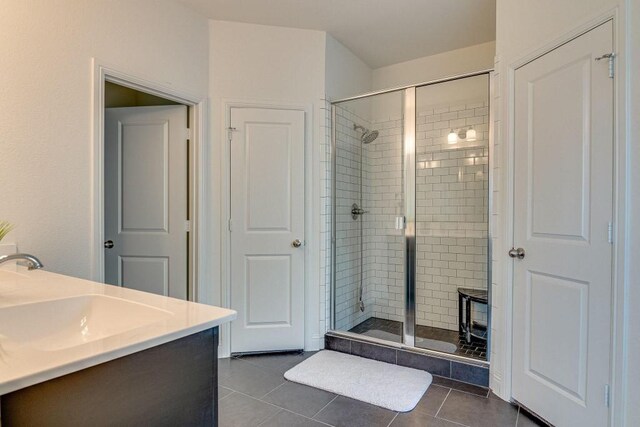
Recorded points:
(22, 363)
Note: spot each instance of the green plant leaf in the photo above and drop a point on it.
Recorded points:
(5, 228)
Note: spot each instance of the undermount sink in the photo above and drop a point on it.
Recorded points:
(70, 322)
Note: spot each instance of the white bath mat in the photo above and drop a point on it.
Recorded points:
(437, 345)
(429, 343)
(383, 384)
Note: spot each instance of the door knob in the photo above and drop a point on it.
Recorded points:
(296, 243)
(108, 244)
(516, 253)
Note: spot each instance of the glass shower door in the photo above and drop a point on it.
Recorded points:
(410, 216)
(452, 189)
(368, 220)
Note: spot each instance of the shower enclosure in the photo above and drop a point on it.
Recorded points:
(410, 203)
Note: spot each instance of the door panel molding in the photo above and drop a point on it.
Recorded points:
(125, 153)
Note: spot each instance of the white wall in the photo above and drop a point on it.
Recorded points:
(45, 106)
(345, 74)
(459, 61)
(524, 27)
(262, 62)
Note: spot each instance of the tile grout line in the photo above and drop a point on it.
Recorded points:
(304, 416)
(269, 392)
(321, 409)
(453, 422)
(224, 397)
(442, 404)
(268, 418)
(517, 417)
(462, 391)
(470, 393)
(283, 409)
(393, 419)
(279, 407)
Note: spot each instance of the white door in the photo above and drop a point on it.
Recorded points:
(145, 173)
(563, 209)
(267, 221)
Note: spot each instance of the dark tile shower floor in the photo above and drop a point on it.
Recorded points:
(477, 349)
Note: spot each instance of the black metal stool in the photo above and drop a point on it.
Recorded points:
(466, 296)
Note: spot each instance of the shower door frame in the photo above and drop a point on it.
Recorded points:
(409, 179)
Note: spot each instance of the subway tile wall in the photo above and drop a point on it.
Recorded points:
(349, 157)
(452, 211)
(384, 201)
(325, 218)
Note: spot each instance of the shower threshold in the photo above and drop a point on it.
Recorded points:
(427, 337)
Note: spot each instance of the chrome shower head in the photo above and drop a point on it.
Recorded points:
(368, 136)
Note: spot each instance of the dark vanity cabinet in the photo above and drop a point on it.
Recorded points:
(173, 384)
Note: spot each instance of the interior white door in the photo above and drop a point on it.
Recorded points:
(267, 229)
(145, 174)
(563, 211)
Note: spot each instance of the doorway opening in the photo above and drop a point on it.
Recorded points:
(138, 194)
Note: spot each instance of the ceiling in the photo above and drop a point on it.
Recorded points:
(380, 32)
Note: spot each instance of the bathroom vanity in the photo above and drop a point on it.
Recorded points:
(77, 353)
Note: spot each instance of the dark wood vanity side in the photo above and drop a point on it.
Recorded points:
(173, 384)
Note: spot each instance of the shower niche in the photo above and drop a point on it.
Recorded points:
(409, 217)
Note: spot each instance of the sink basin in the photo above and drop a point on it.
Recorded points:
(70, 322)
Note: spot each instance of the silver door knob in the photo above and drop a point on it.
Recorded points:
(516, 253)
(108, 244)
(296, 243)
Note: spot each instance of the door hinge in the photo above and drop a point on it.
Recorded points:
(187, 226)
(230, 224)
(610, 232)
(607, 395)
(611, 58)
(188, 133)
(230, 131)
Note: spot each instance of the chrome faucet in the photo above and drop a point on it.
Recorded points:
(33, 263)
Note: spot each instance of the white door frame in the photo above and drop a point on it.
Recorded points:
(102, 73)
(311, 228)
(618, 368)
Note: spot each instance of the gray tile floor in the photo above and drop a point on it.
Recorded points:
(253, 392)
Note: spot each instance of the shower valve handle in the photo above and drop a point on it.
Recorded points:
(356, 211)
